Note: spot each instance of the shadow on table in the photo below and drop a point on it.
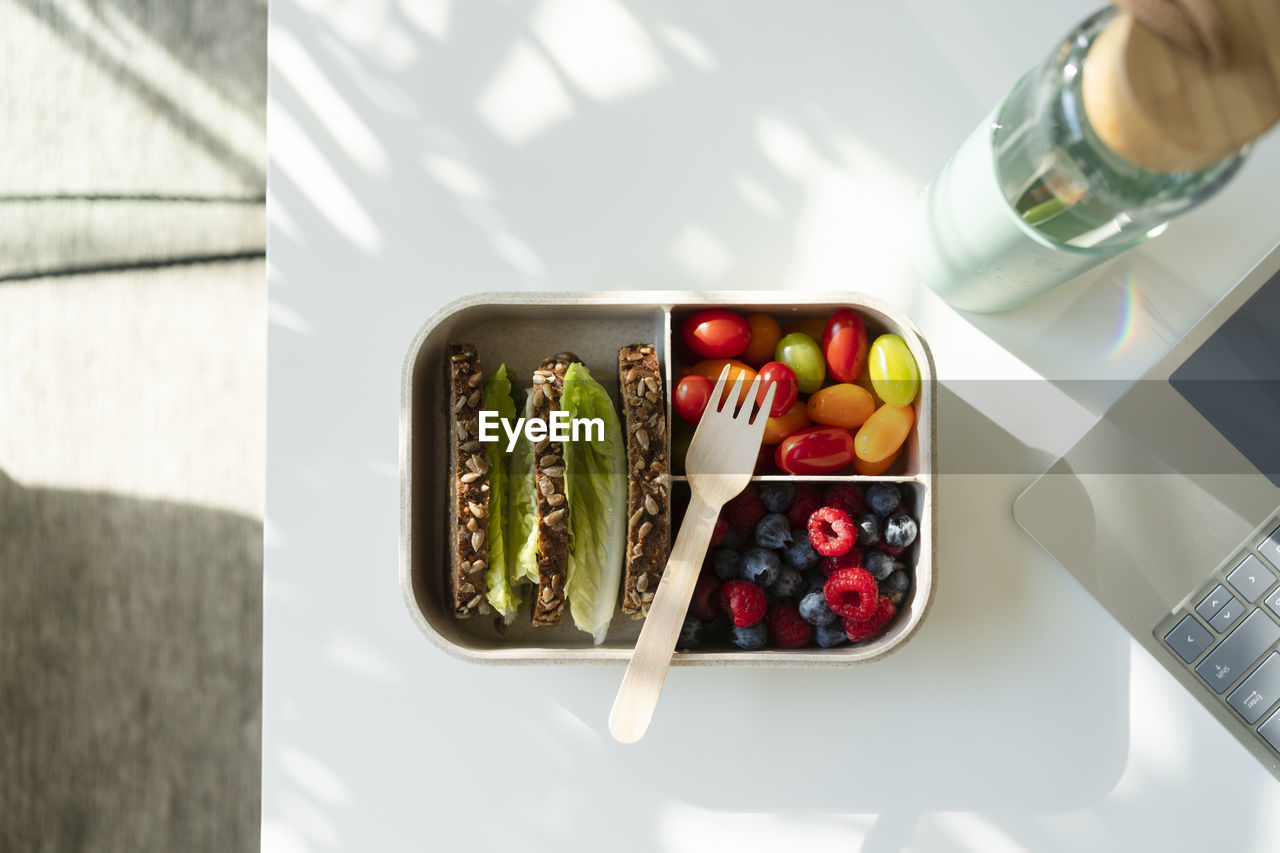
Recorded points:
(130, 673)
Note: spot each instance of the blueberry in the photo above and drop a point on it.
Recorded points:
(900, 530)
(760, 566)
(829, 635)
(814, 580)
(734, 538)
(717, 627)
(726, 563)
(691, 633)
(776, 497)
(788, 586)
(800, 552)
(750, 638)
(773, 531)
(870, 530)
(884, 498)
(897, 581)
(880, 564)
(815, 610)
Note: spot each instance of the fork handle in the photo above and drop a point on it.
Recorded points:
(638, 695)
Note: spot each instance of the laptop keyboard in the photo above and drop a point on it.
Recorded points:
(1228, 633)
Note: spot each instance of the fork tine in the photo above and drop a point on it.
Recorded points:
(763, 413)
(733, 395)
(717, 392)
(752, 392)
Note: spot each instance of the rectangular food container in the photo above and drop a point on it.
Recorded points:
(521, 329)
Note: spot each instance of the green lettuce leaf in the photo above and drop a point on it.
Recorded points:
(596, 494)
(504, 593)
(522, 523)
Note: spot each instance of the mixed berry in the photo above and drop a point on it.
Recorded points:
(793, 566)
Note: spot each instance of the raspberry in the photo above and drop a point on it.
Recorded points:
(743, 601)
(848, 497)
(703, 604)
(852, 593)
(745, 511)
(786, 627)
(803, 503)
(851, 559)
(857, 631)
(831, 531)
(719, 531)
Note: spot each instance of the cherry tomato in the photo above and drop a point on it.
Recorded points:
(800, 352)
(788, 388)
(875, 469)
(791, 421)
(716, 333)
(765, 334)
(691, 397)
(894, 372)
(711, 368)
(812, 327)
(844, 341)
(842, 405)
(882, 434)
(817, 450)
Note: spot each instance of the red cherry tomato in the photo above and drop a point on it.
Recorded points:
(844, 343)
(792, 421)
(817, 450)
(691, 397)
(717, 333)
(788, 387)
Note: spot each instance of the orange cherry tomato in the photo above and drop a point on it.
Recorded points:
(792, 421)
(882, 434)
(875, 469)
(765, 334)
(711, 368)
(844, 405)
(813, 327)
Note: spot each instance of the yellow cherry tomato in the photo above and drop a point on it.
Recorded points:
(791, 421)
(882, 434)
(875, 469)
(893, 369)
(844, 405)
(765, 334)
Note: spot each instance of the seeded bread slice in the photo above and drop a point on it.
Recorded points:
(648, 491)
(469, 485)
(553, 509)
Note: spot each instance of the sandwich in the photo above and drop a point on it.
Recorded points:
(469, 485)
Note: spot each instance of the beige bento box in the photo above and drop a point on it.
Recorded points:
(521, 329)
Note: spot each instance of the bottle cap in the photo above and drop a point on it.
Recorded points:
(1178, 85)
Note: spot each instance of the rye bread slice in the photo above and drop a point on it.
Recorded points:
(469, 483)
(553, 509)
(649, 487)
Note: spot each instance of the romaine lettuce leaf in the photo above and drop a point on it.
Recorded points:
(503, 593)
(596, 494)
(522, 522)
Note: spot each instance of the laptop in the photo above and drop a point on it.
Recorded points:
(1168, 511)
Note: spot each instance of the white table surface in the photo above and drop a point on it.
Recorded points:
(430, 148)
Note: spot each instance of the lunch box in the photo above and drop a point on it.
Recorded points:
(521, 329)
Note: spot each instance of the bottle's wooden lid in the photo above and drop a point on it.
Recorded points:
(1172, 107)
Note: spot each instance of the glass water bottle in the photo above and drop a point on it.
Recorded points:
(1033, 197)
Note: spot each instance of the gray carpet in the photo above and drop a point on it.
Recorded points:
(132, 421)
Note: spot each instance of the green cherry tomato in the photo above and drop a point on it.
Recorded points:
(894, 373)
(803, 355)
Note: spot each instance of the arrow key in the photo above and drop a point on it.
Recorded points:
(1251, 578)
(1188, 639)
(1213, 602)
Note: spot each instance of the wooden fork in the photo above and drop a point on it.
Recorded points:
(719, 463)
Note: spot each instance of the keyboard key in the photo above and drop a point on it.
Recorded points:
(1251, 579)
(1273, 601)
(1239, 651)
(1271, 731)
(1188, 639)
(1271, 548)
(1212, 603)
(1227, 616)
(1259, 691)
